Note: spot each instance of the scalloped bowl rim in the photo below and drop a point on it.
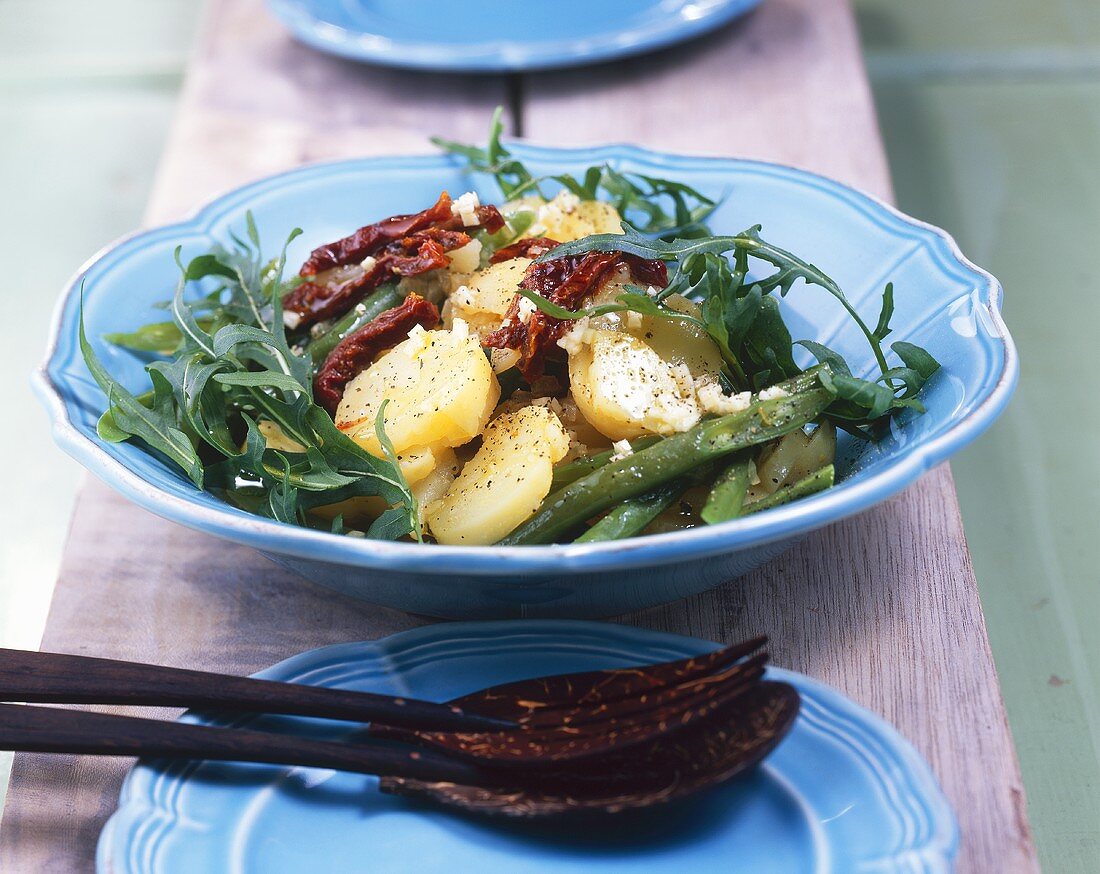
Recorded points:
(788, 521)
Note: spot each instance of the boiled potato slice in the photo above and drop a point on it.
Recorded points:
(625, 389)
(433, 486)
(441, 391)
(674, 341)
(486, 295)
(276, 438)
(792, 458)
(566, 217)
(504, 483)
(428, 471)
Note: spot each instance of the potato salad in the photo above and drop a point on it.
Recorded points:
(579, 359)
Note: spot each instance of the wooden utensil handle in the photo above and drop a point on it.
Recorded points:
(56, 678)
(56, 730)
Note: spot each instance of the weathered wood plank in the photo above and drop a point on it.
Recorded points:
(784, 84)
(883, 606)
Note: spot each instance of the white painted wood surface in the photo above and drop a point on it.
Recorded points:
(883, 606)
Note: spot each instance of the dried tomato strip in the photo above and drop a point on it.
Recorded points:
(356, 351)
(488, 218)
(370, 239)
(417, 253)
(566, 282)
(531, 247)
(405, 245)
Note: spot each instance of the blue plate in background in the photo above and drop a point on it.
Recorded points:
(498, 35)
(843, 791)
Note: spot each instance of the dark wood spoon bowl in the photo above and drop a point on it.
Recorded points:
(727, 742)
(584, 716)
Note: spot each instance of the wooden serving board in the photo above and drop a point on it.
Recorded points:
(883, 606)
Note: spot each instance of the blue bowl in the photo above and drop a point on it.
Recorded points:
(943, 302)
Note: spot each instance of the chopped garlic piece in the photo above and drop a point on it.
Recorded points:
(291, 319)
(504, 359)
(368, 264)
(579, 336)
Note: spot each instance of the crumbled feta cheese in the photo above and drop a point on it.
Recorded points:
(423, 341)
(681, 375)
(633, 320)
(652, 291)
(368, 264)
(460, 329)
(713, 400)
(622, 448)
(464, 297)
(567, 201)
(525, 309)
(291, 319)
(466, 208)
(772, 393)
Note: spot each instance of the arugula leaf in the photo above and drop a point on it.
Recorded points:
(634, 195)
(745, 320)
(916, 358)
(131, 418)
(411, 509)
(230, 369)
(886, 313)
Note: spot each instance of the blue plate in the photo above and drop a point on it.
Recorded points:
(843, 791)
(498, 35)
(943, 302)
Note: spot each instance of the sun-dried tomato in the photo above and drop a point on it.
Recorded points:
(356, 351)
(370, 239)
(373, 238)
(403, 245)
(532, 247)
(567, 282)
(488, 218)
(417, 253)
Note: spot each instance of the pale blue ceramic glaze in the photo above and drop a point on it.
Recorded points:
(842, 793)
(498, 35)
(944, 303)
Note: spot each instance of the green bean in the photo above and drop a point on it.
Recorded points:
(630, 517)
(727, 498)
(816, 482)
(573, 471)
(383, 298)
(566, 509)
